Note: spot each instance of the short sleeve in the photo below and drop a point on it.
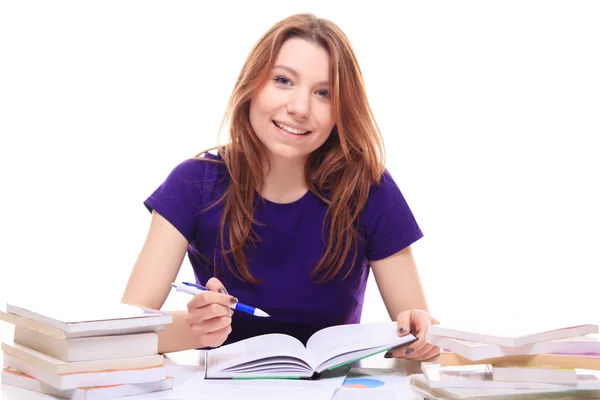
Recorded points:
(389, 223)
(178, 198)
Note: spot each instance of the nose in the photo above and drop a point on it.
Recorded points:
(299, 105)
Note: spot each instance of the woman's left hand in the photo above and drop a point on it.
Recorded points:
(415, 322)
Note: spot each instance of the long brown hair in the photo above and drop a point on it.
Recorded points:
(340, 172)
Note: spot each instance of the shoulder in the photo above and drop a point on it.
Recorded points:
(193, 183)
(205, 168)
(388, 221)
(386, 204)
(206, 175)
(384, 192)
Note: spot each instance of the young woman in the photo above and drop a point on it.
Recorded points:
(292, 212)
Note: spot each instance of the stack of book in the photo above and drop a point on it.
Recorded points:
(86, 354)
(514, 361)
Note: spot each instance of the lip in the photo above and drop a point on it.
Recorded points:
(293, 126)
(290, 135)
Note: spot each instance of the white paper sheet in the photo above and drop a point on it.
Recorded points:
(379, 384)
(190, 384)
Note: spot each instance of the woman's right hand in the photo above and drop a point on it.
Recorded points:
(209, 314)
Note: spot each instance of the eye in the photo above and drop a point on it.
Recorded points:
(323, 93)
(282, 80)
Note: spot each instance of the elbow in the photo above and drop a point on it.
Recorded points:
(139, 301)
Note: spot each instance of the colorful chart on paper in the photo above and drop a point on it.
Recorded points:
(362, 383)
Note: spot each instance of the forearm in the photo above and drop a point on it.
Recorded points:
(149, 283)
(399, 283)
(177, 335)
(411, 298)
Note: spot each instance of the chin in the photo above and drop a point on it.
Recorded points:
(288, 154)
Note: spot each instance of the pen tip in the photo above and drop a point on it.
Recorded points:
(260, 313)
(173, 285)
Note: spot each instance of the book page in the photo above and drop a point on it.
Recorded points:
(195, 387)
(265, 347)
(336, 340)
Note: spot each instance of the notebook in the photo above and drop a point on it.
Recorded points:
(475, 351)
(89, 348)
(421, 386)
(67, 321)
(57, 366)
(24, 381)
(580, 361)
(513, 333)
(283, 356)
(534, 374)
(86, 379)
(481, 376)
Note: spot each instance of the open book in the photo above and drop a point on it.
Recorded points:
(282, 356)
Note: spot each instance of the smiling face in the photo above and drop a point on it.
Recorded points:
(292, 113)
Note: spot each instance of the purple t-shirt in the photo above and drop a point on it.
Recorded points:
(290, 246)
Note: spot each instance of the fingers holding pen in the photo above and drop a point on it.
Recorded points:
(215, 285)
(216, 338)
(209, 314)
(202, 327)
(209, 297)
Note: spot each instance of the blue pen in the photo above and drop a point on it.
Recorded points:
(194, 289)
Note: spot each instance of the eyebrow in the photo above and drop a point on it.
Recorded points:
(295, 73)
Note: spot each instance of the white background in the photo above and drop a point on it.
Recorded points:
(489, 110)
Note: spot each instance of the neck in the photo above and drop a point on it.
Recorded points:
(284, 180)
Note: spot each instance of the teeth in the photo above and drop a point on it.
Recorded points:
(290, 129)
